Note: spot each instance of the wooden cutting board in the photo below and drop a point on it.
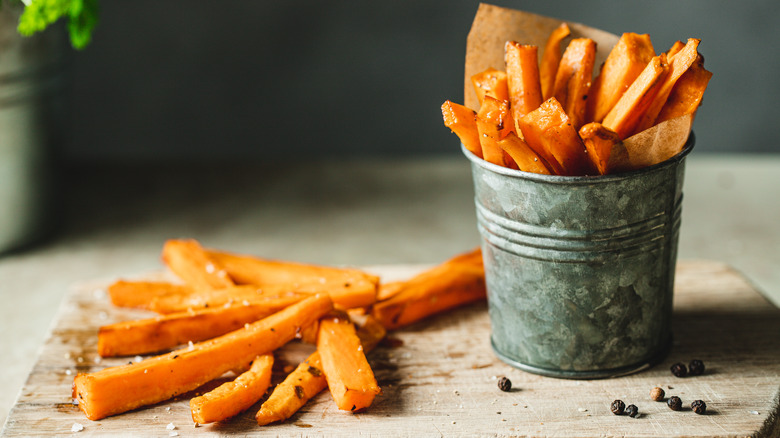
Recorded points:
(439, 377)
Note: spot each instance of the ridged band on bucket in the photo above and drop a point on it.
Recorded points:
(561, 245)
(580, 270)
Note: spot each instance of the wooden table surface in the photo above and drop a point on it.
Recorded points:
(439, 377)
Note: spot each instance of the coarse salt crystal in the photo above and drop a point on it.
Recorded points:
(246, 326)
(98, 359)
(103, 315)
(245, 302)
(68, 372)
(210, 268)
(80, 359)
(138, 358)
(99, 293)
(754, 412)
(173, 433)
(190, 345)
(170, 426)
(77, 427)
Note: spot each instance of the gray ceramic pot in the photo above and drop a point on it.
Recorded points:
(31, 122)
(580, 270)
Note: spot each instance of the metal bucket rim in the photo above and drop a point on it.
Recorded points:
(561, 179)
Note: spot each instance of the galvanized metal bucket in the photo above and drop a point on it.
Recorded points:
(580, 270)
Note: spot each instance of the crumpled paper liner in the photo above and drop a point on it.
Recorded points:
(493, 26)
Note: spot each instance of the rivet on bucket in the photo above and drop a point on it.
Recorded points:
(580, 270)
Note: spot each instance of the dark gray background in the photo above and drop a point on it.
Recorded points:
(202, 80)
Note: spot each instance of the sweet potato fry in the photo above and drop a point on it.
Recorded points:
(388, 289)
(350, 378)
(676, 47)
(599, 142)
(624, 63)
(624, 117)
(490, 82)
(512, 147)
(572, 80)
(296, 389)
(138, 294)
(679, 63)
(548, 67)
(307, 380)
(458, 281)
(523, 156)
(687, 93)
(522, 72)
(232, 398)
(549, 133)
(122, 388)
(151, 335)
(272, 297)
(190, 262)
(462, 121)
(494, 121)
(347, 287)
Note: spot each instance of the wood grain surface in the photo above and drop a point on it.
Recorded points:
(439, 377)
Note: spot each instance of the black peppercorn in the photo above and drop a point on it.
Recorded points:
(679, 370)
(696, 367)
(699, 407)
(617, 407)
(632, 411)
(674, 403)
(504, 384)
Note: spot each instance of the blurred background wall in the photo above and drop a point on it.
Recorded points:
(204, 81)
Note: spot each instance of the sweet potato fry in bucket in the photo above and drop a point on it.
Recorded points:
(599, 142)
(522, 72)
(625, 62)
(679, 63)
(551, 57)
(687, 93)
(491, 82)
(676, 47)
(494, 121)
(625, 116)
(549, 132)
(462, 121)
(573, 78)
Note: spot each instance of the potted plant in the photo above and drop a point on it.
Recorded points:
(32, 61)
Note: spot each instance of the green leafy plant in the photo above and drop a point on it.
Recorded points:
(81, 15)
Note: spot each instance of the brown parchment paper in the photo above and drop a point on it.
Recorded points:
(493, 26)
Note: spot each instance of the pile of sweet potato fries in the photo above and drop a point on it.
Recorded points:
(230, 312)
(550, 116)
